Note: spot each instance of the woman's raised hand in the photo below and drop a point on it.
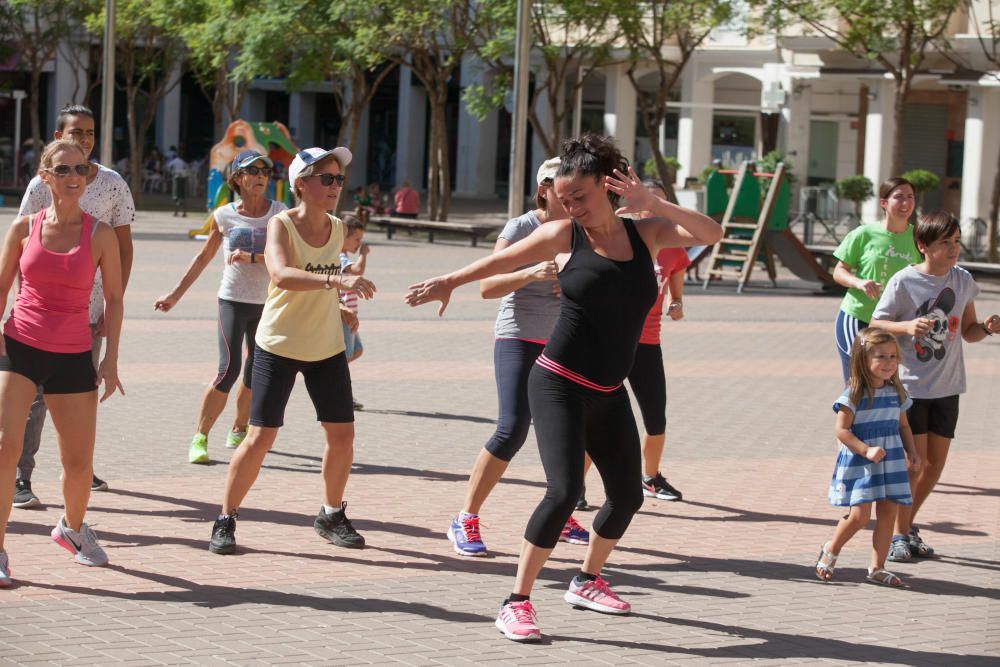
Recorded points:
(637, 197)
(433, 289)
(364, 287)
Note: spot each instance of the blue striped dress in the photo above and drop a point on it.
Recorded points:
(857, 480)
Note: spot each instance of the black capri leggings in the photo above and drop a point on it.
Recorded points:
(570, 419)
(649, 384)
(512, 362)
(237, 322)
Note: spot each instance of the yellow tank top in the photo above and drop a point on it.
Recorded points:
(305, 325)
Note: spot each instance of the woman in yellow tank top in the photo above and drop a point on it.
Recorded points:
(301, 331)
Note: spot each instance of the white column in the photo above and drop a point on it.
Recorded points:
(620, 109)
(475, 168)
(879, 129)
(302, 118)
(979, 161)
(254, 105)
(694, 131)
(67, 85)
(168, 118)
(793, 131)
(411, 131)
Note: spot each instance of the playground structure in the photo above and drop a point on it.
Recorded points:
(756, 229)
(270, 139)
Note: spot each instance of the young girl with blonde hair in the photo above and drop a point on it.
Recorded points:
(871, 465)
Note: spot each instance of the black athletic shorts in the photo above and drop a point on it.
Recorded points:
(328, 382)
(934, 415)
(54, 372)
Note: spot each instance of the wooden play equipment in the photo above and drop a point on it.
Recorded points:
(756, 231)
(270, 139)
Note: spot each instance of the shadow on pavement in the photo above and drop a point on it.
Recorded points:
(764, 569)
(778, 645)
(739, 515)
(217, 597)
(433, 415)
(965, 490)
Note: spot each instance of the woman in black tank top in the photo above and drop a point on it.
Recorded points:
(575, 389)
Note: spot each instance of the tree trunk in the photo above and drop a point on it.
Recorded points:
(34, 88)
(135, 168)
(665, 173)
(354, 120)
(991, 223)
(436, 187)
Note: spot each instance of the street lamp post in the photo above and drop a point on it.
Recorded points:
(108, 85)
(518, 140)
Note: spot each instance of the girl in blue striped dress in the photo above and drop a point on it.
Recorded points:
(871, 463)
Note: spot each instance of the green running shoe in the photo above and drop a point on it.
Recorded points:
(234, 438)
(198, 452)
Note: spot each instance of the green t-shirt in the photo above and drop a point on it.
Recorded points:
(874, 253)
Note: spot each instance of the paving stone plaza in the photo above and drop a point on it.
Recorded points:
(724, 577)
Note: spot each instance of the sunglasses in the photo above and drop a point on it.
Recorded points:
(64, 170)
(329, 179)
(261, 171)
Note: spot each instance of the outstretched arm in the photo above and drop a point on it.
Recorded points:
(194, 269)
(542, 244)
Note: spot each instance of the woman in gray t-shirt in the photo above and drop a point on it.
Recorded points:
(240, 228)
(528, 311)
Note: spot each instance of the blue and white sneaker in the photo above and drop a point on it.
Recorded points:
(464, 536)
(574, 533)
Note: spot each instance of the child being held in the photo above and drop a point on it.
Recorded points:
(871, 467)
(931, 307)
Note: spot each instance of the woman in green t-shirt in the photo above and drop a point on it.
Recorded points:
(870, 255)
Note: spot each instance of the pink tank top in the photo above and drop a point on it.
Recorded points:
(52, 309)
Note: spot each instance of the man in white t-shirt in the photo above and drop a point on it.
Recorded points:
(180, 173)
(109, 200)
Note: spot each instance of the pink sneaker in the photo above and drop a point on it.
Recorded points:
(517, 621)
(596, 595)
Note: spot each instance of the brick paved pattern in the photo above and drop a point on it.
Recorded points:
(724, 578)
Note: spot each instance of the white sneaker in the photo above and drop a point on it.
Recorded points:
(83, 545)
(5, 581)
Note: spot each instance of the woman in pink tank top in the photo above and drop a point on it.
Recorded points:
(47, 342)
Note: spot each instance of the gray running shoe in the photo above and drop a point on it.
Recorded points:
(24, 498)
(5, 580)
(336, 528)
(83, 545)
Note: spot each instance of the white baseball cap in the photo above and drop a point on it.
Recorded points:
(309, 156)
(548, 170)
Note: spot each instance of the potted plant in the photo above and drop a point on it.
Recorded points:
(857, 189)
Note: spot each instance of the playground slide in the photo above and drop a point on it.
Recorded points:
(797, 258)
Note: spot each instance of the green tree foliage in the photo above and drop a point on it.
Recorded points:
(895, 34)
(923, 182)
(664, 33)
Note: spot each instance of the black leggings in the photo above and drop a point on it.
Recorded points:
(512, 362)
(649, 385)
(237, 322)
(569, 419)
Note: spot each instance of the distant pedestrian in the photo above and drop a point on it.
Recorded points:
(875, 443)
(406, 202)
(353, 244)
(180, 173)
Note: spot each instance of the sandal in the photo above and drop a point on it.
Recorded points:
(884, 577)
(899, 550)
(918, 547)
(824, 571)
